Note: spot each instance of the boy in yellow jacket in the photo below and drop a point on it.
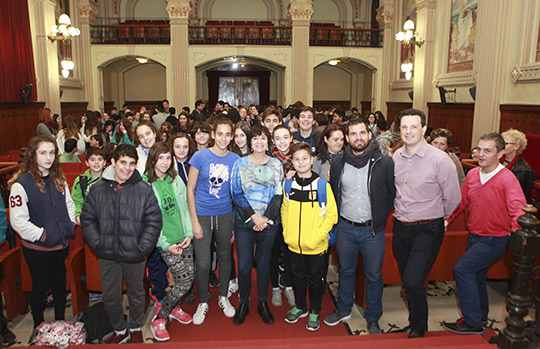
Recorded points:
(307, 219)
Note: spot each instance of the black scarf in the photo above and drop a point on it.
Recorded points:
(361, 160)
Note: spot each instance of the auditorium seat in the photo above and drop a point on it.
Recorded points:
(71, 167)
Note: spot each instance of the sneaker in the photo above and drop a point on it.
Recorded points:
(276, 297)
(373, 327)
(118, 338)
(313, 323)
(158, 308)
(95, 296)
(233, 287)
(336, 317)
(294, 314)
(135, 336)
(181, 316)
(289, 293)
(224, 304)
(200, 314)
(159, 330)
(461, 327)
(214, 281)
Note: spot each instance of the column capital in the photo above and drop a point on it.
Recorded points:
(300, 10)
(385, 15)
(88, 9)
(426, 4)
(178, 9)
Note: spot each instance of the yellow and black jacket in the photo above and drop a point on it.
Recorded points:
(305, 223)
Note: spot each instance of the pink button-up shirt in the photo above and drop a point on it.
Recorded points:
(427, 185)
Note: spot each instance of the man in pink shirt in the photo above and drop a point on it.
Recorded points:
(427, 192)
(493, 197)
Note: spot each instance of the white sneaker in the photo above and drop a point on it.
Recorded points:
(233, 287)
(224, 304)
(289, 293)
(200, 314)
(276, 297)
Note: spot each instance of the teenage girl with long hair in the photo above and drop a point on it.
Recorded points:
(70, 130)
(174, 244)
(211, 209)
(43, 214)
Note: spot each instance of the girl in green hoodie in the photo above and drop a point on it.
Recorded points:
(174, 242)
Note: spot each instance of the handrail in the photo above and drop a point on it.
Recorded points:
(130, 34)
(159, 33)
(356, 37)
(250, 35)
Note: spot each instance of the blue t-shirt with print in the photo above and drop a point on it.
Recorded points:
(213, 191)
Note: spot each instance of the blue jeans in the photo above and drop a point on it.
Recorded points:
(471, 274)
(352, 240)
(246, 239)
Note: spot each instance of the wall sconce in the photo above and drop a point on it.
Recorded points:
(142, 60)
(64, 30)
(409, 36)
(67, 67)
(334, 61)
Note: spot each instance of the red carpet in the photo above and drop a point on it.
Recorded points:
(219, 327)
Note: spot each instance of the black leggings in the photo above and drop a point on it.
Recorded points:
(47, 270)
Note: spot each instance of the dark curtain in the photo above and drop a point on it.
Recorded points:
(16, 57)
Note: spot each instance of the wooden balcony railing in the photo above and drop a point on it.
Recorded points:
(130, 34)
(345, 37)
(221, 34)
(248, 35)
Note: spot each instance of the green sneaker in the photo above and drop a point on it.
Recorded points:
(313, 323)
(294, 314)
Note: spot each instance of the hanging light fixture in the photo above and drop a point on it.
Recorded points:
(63, 30)
(409, 38)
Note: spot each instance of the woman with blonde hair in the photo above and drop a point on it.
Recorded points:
(516, 142)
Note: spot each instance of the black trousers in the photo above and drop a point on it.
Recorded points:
(47, 270)
(308, 269)
(415, 248)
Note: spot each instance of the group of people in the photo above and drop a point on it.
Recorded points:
(283, 198)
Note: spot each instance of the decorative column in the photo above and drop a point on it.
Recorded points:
(385, 17)
(423, 56)
(46, 62)
(179, 11)
(489, 62)
(300, 12)
(88, 13)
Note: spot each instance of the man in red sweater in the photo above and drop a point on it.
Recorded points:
(494, 199)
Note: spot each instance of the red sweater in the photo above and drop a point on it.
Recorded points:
(494, 207)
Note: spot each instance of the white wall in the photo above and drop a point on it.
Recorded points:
(331, 84)
(239, 9)
(151, 9)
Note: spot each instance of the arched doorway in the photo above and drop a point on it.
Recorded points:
(134, 80)
(344, 83)
(240, 80)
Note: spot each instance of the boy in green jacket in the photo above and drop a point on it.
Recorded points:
(95, 160)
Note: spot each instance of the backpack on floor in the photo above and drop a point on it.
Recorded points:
(96, 323)
(59, 334)
(321, 197)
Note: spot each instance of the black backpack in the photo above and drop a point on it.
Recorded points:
(96, 323)
(83, 182)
